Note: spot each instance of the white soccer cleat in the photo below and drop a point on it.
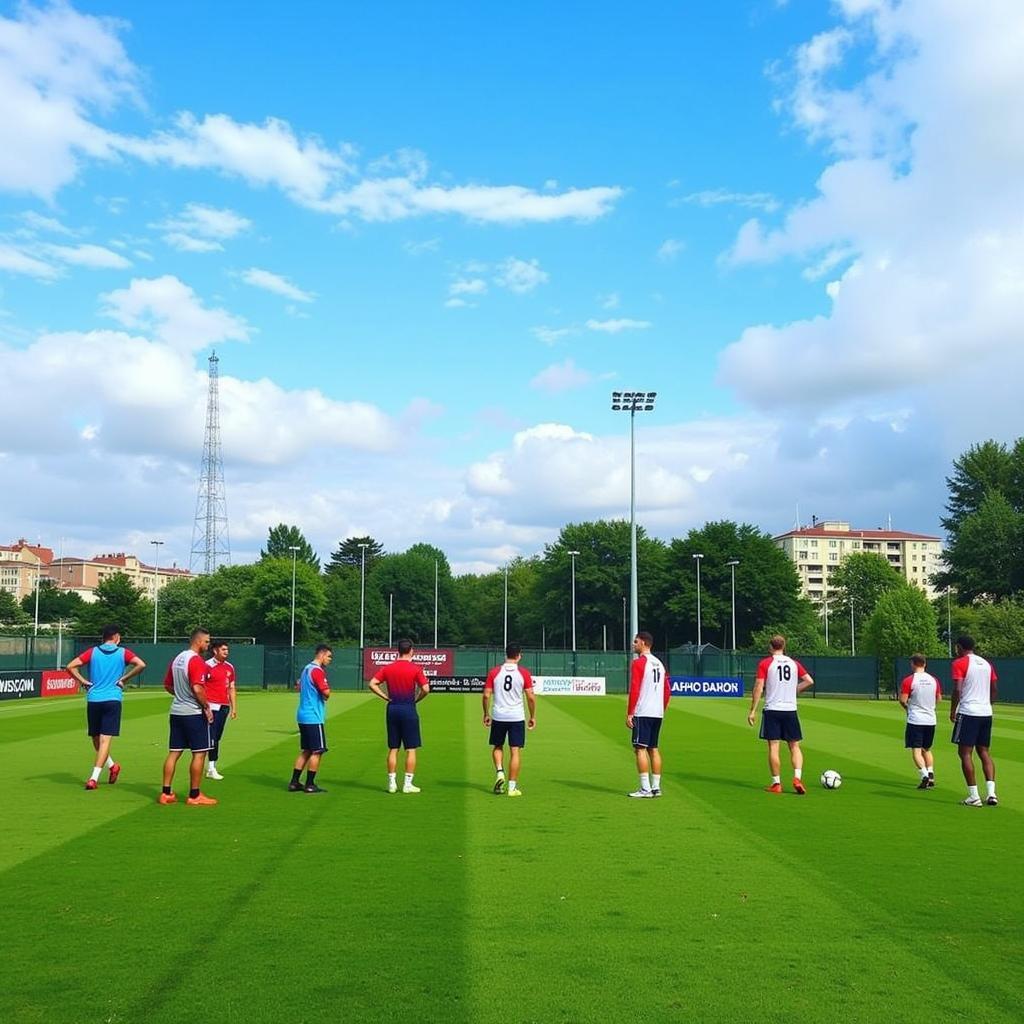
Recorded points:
(392, 787)
(972, 801)
(212, 773)
(410, 788)
(641, 794)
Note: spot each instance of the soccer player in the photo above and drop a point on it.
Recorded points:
(220, 692)
(191, 718)
(919, 694)
(314, 693)
(974, 689)
(507, 683)
(648, 698)
(406, 687)
(780, 678)
(110, 667)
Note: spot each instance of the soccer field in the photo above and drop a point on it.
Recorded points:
(716, 903)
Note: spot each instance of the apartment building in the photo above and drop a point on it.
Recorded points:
(84, 575)
(817, 551)
(20, 564)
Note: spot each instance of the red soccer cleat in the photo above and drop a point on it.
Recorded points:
(167, 798)
(799, 787)
(91, 784)
(115, 770)
(200, 801)
(775, 787)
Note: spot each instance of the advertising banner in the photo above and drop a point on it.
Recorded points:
(17, 684)
(457, 684)
(710, 686)
(570, 686)
(58, 683)
(433, 662)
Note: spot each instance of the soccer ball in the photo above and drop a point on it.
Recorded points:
(831, 779)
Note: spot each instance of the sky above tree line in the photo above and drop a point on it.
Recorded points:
(427, 242)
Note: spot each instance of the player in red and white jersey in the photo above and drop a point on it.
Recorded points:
(974, 689)
(220, 692)
(918, 696)
(780, 678)
(506, 685)
(648, 698)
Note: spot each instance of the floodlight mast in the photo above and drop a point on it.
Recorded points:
(633, 402)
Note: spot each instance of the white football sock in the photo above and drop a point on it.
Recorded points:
(798, 773)
(924, 772)
(972, 792)
(991, 787)
(655, 782)
(109, 763)
(776, 780)
(95, 774)
(391, 777)
(408, 778)
(645, 780)
(513, 785)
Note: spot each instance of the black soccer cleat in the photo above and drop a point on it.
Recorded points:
(295, 787)
(925, 784)
(313, 788)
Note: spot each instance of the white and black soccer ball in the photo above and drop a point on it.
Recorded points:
(831, 779)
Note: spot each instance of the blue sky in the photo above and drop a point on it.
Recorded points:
(428, 240)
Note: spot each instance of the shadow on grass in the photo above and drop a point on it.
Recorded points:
(685, 779)
(589, 786)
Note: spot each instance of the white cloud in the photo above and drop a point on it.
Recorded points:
(616, 326)
(552, 335)
(422, 247)
(172, 312)
(721, 196)
(609, 301)
(520, 276)
(561, 377)
(189, 243)
(200, 228)
(95, 257)
(37, 222)
(275, 283)
(17, 261)
(467, 286)
(456, 303)
(670, 249)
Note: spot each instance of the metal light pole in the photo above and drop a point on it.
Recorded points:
(505, 620)
(697, 559)
(293, 548)
(572, 559)
(732, 565)
(949, 625)
(435, 604)
(39, 570)
(362, 592)
(633, 402)
(391, 615)
(157, 545)
(825, 606)
(625, 636)
(853, 637)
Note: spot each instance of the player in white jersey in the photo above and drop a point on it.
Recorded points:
(918, 696)
(780, 678)
(506, 686)
(648, 698)
(974, 689)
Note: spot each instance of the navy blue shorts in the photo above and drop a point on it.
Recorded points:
(192, 731)
(973, 731)
(104, 717)
(646, 731)
(922, 736)
(780, 725)
(403, 727)
(312, 738)
(220, 720)
(514, 732)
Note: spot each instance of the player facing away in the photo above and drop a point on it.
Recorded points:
(314, 693)
(780, 678)
(974, 689)
(190, 720)
(506, 685)
(406, 687)
(110, 667)
(648, 698)
(220, 692)
(919, 694)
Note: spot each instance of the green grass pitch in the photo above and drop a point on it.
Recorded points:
(717, 903)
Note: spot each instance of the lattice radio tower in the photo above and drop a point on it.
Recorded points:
(210, 544)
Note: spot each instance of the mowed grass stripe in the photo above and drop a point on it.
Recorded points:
(876, 865)
(272, 906)
(48, 718)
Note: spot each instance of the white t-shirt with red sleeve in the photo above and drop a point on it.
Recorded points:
(648, 688)
(781, 674)
(922, 691)
(975, 676)
(508, 683)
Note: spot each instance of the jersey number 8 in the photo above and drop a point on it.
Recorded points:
(508, 684)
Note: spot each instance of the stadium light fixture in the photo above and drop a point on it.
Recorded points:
(697, 560)
(732, 563)
(157, 544)
(633, 402)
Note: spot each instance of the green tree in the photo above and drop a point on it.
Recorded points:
(10, 611)
(985, 467)
(985, 554)
(282, 538)
(767, 586)
(54, 603)
(802, 630)
(349, 554)
(119, 603)
(267, 600)
(1000, 629)
(902, 622)
(859, 580)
